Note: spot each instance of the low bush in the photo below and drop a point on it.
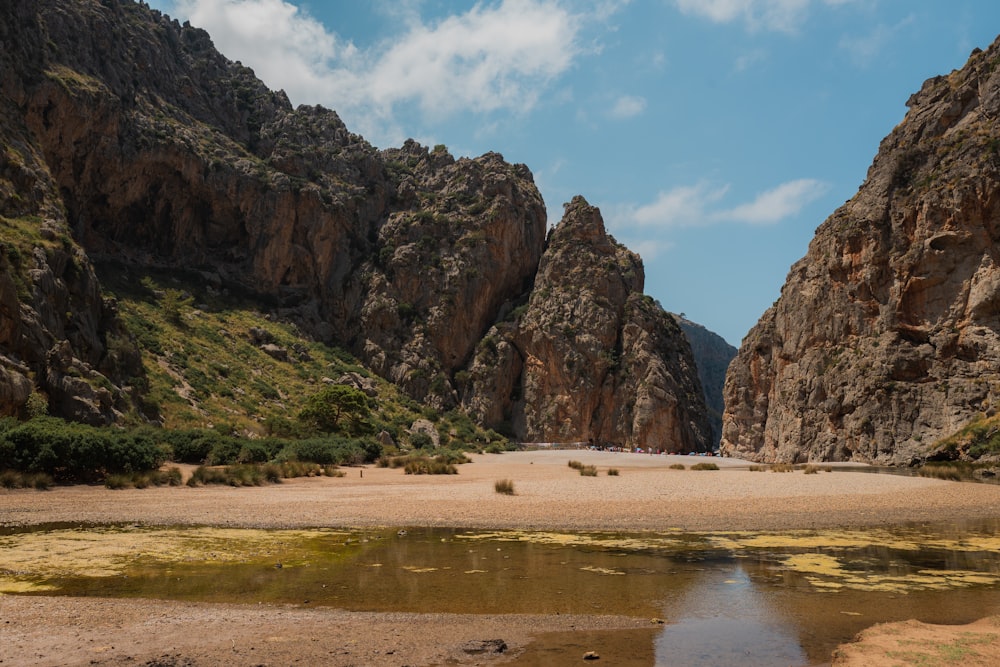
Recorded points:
(705, 465)
(588, 471)
(424, 465)
(575, 465)
(40, 481)
(10, 479)
(504, 486)
(757, 468)
(782, 467)
(142, 480)
(612, 472)
(677, 466)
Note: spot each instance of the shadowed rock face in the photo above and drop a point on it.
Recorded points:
(127, 136)
(887, 333)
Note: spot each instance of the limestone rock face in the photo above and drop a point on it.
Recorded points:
(50, 299)
(130, 138)
(589, 357)
(887, 334)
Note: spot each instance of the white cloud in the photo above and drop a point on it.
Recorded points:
(775, 205)
(864, 49)
(628, 106)
(774, 15)
(285, 46)
(699, 206)
(486, 59)
(749, 59)
(648, 249)
(683, 206)
(492, 57)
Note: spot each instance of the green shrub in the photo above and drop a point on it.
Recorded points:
(256, 451)
(451, 456)
(588, 471)
(612, 472)
(677, 466)
(705, 465)
(421, 440)
(71, 452)
(575, 465)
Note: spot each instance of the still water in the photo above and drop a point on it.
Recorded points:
(750, 599)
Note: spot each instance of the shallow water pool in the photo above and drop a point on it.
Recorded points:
(734, 598)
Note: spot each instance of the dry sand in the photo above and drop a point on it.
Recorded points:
(647, 495)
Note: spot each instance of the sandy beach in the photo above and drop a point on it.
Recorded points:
(646, 495)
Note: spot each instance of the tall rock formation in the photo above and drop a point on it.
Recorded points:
(887, 334)
(589, 357)
(127, 136)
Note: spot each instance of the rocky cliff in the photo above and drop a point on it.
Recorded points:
(712, 356)
(128, 137)
(588, 357)
(886, 335)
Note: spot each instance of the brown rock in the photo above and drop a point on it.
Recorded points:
(590, 359)
(885, 336)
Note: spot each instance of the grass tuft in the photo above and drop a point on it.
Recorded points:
(588, 471)
(504, 486)
(705, 465)
(677, 466)
(612, 472)
(11, 479)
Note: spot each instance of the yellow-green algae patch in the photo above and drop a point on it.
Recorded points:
(827, 572)
(602, 540)
(847, 539)
(30, 558)
(600, 570)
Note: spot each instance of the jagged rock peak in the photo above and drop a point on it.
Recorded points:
(582, 222)
(590, 358)
(887, 333)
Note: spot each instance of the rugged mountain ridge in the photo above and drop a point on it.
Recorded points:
(129, 138)
(886, 335)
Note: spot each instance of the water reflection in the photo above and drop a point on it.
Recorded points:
(726, 619)
(756, 599)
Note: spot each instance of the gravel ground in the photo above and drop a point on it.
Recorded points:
(646, 495)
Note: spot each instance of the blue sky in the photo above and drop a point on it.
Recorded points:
(715, 135)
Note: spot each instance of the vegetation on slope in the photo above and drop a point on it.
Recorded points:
(214, 393)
